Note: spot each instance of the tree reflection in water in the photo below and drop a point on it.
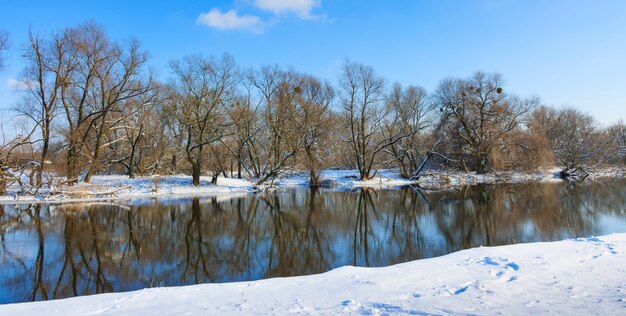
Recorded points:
(61, 251)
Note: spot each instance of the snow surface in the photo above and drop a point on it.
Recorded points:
(119, 186)
(571, 277)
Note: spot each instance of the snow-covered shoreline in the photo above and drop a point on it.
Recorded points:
(115, 187)
(585, 275)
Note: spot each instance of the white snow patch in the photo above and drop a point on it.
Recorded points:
(119, 186)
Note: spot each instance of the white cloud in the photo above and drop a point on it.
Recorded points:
(229, 20)
(301, 8)
(18, 85)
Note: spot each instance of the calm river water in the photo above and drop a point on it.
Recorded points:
(66, 250)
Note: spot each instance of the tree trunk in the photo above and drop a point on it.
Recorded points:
(314, 177)
(482, 163)
(173, 164)
(94, 165)
(133, 149)
(195, 173)
(72, 165)
(40, 168)
(44, 155)
(362, 175)
(131, 164)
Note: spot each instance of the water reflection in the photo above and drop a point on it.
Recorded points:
(68, 250)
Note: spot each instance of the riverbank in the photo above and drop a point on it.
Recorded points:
(584, 275)
(121, 187)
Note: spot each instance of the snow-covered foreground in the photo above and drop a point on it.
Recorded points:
(571, 277)
(119, 186)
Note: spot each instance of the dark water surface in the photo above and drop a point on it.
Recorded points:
(67, 250)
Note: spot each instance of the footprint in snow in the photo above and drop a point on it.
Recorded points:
(461, 290)
(599, 242)
(513, 266)
(504, 262)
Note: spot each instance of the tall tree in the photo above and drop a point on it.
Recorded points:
(313, 98)
(410, 111)
(201, 89)
(89, 52)
(243, 115)
(47, 70)
(143, 141)
(277, 139)
(6, 146)
(364, 117)
(121, 81)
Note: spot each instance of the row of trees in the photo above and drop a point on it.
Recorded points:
(92, 105)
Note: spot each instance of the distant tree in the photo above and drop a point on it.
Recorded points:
(480, 113)
(201, 89)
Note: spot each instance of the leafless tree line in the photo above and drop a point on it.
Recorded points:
(92, 105)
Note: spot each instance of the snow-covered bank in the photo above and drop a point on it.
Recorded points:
(442, 180)
(117, 186)
(121, 187)
(582, 276)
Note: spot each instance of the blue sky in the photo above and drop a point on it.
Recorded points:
(569, 52)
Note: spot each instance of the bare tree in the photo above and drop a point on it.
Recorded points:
(98, 77)
(45, 73)
(89, 52)
(617, 136)
(120, 81)
(201, 90)
(313, 99)
(142, 130)
(410, 116)
(480, 113)
(7, 145)
(277, 139)
(573, 136)
(364, 117)
(244, 117)
(11, 168)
